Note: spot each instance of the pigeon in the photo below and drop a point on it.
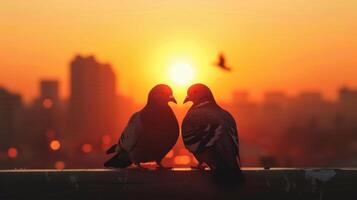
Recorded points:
(150, 133)
(210, 133)
(222, 63)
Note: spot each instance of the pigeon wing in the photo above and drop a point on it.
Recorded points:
(199, 132)
(232, 130)
(131, 133)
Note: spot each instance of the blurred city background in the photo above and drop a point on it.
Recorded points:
(72, 72)
(304, 130)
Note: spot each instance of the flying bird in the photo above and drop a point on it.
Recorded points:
(150, 133)
(221, 63)
(211, 134)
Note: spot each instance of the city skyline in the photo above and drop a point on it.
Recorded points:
(83, 126)
(178, 99)
(280, 45)
(73, 72)
(255, 98)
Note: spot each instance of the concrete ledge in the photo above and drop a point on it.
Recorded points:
(176, 184)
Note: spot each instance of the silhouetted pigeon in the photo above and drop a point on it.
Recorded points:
(150, 133)
(210, 133)
(221, 63)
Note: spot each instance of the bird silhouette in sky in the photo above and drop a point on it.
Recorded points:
(210, 133)
(150, 133)
(221, 63)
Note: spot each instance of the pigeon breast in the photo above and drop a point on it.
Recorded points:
(160, 131)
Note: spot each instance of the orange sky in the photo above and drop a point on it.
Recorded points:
(279, 44)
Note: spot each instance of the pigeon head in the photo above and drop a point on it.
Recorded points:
(161, 95)
(199, 93)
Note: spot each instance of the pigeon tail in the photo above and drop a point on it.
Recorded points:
(111, 149)
(119, 161)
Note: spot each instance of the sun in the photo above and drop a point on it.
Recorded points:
(181, 73)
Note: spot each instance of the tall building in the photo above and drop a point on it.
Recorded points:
(347, 108)
(50, 111)
(49, 89)
(44, 126)
(93, 102)
(348, 97)
(10, 107)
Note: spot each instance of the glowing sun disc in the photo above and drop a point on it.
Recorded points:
(181, 73)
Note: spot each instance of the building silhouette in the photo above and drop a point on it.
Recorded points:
(44, 122)
(297, 131)
(10, 119)
(279, 131)
(92, 103)
(49, 89)
(348, 104)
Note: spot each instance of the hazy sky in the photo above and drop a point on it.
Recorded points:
(273, 45)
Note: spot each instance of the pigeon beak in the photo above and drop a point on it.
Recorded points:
(187, 99)
(172, 99)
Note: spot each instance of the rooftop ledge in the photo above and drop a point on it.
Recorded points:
(177, 183)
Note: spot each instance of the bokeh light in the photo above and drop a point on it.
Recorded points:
(60, 164)
(12, 152)
(47, 103)
(87, 148)
(55, 145)
(106, 139)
